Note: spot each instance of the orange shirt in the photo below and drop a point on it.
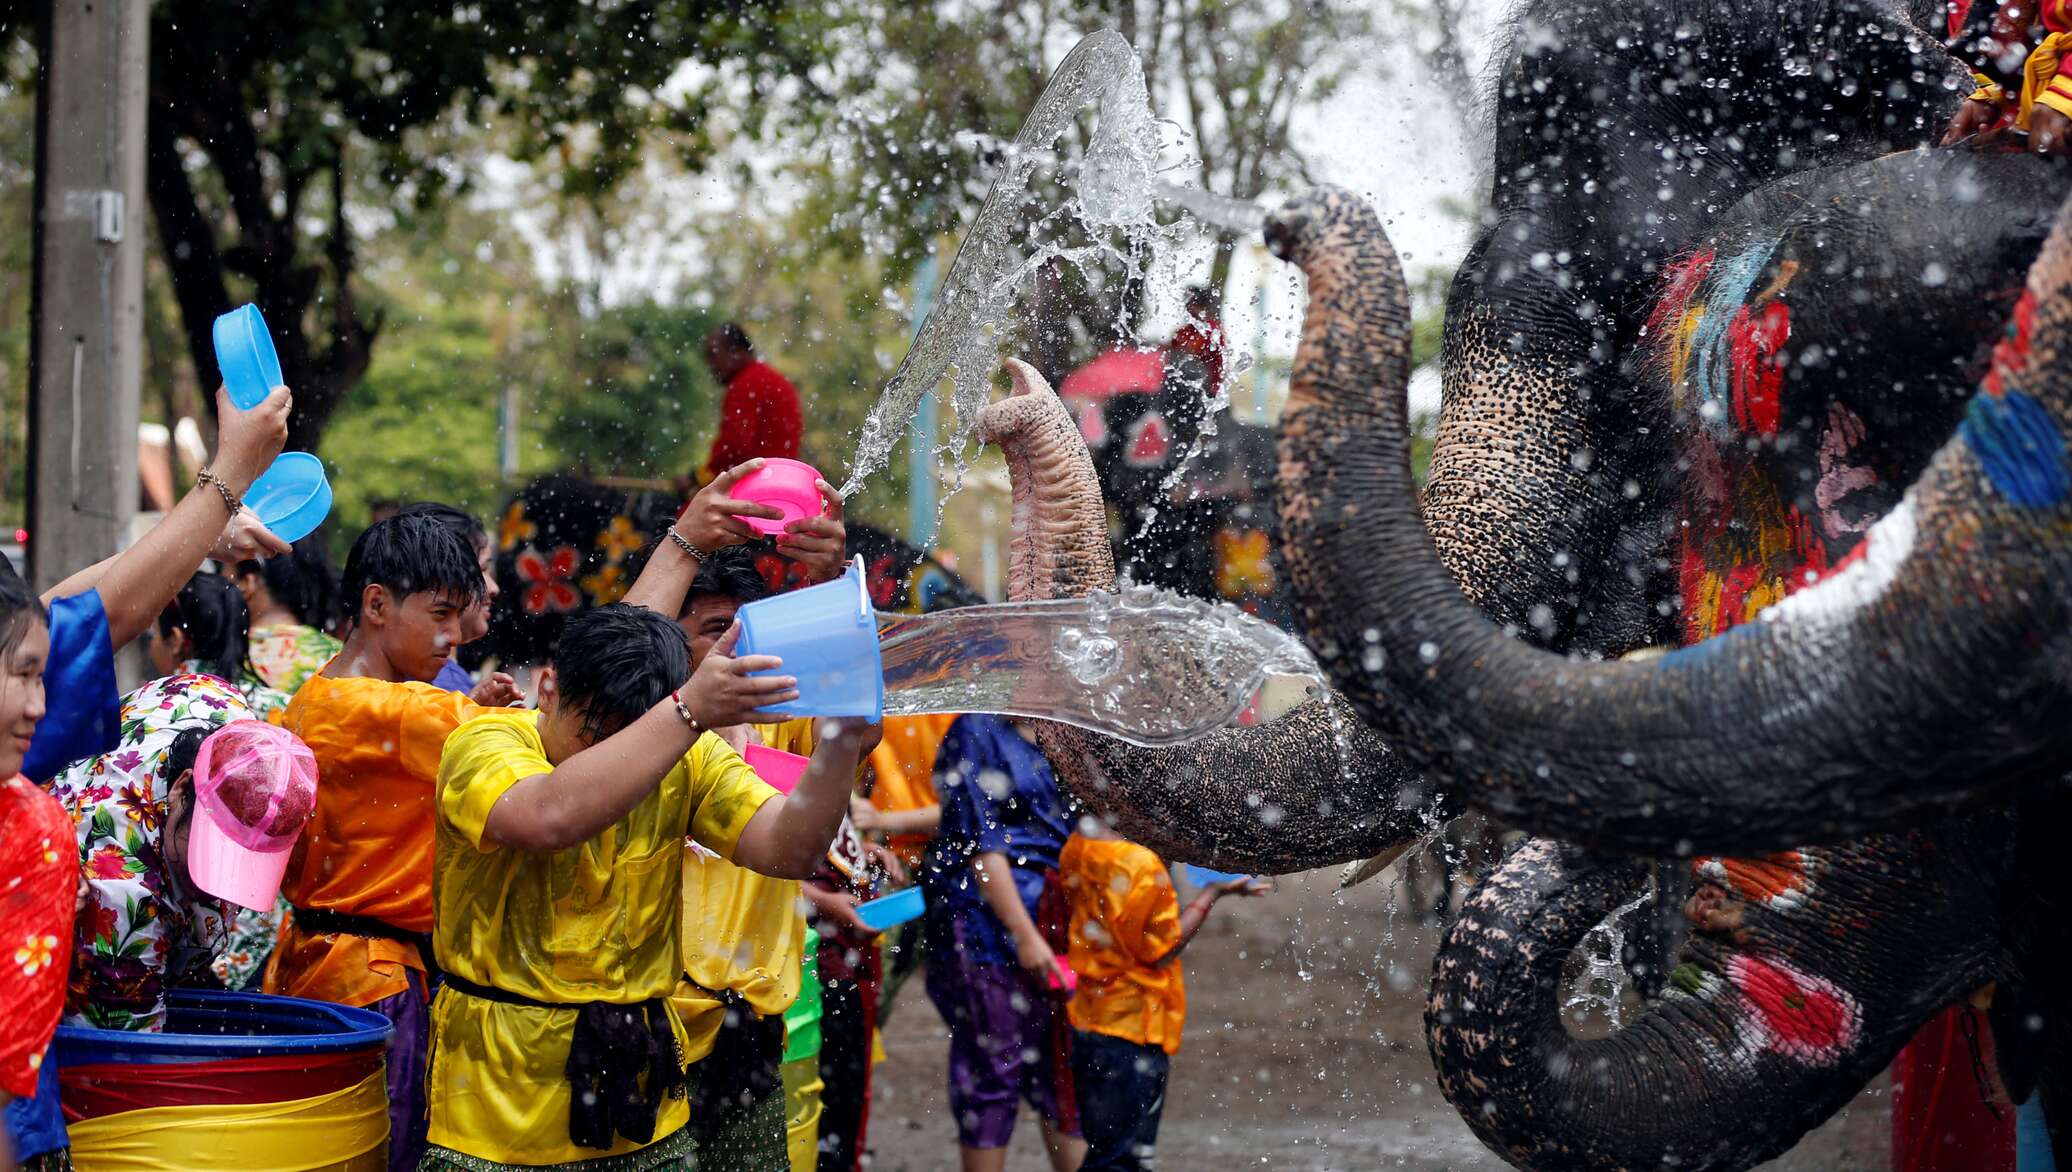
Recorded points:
(904, 765)
(367, 850)
(1124, 917)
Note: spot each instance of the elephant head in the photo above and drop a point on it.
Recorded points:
(1312, 787)
(1922, 673)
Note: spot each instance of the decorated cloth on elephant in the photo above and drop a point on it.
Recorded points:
(998, 797)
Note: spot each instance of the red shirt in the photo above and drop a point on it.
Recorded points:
(39, 878)
(758, 416)
(1206, 343)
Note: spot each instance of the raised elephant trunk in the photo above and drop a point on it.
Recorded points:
(1924, 672)
(1815, 972)
(1311, 788)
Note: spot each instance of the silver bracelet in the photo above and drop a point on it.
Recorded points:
(683, 543)
(231, 500)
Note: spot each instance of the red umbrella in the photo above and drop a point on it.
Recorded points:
(1121, 371)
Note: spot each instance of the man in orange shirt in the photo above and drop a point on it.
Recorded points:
(1127, 933)
(360, 879)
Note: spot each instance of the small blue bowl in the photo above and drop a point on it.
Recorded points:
(245, 355)
(1202, 876)
(890, 910)
(293, 497)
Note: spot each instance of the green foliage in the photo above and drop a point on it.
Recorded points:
(637, 395)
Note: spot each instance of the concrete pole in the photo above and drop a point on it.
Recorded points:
(87, 314)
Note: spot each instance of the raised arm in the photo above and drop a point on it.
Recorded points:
(786, 838)
(1196, 913)
(709, 523)
(594, 788)
(137, 583)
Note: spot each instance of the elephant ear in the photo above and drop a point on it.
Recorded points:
(1812, 968)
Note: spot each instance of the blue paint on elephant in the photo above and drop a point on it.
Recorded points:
(2020, 447)
(1725, 293)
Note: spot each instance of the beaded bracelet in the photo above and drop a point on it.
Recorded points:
(231, 500)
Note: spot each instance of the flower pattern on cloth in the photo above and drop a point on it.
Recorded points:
(262, 700)
(137, 933)
(285, 655)
(37, 877)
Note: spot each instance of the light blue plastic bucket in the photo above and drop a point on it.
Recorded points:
(293, 497)
(245, 356)
(827, 636)
(1202, 876)
(890, 910)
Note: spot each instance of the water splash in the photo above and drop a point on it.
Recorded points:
(1144, 665)
(1602, 985)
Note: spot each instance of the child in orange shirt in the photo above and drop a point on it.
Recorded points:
(1127, 932)
(360, 879)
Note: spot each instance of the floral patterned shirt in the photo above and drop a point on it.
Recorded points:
(141, 930)
(285, 655)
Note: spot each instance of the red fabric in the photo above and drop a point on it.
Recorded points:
(1958, 10)
(108, 1088)
(1204, 341)
(1938, 1122)
(39, 882)
(758, 416)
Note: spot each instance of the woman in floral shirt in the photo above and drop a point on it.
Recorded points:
(143, 928)
(291, 598)
(202, 632)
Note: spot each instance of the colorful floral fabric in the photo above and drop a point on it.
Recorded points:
(36, 883)
(262, 700)
(141, 930)
(285, 655)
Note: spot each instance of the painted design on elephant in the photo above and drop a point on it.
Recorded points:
(1724, 348)
(2016, 439)
(1796, 1014)
(1781, 882)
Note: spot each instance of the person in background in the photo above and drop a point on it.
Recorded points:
(902, 809)
(144, 926)
(995, 922)
(848, 969)
(594, 793)
(293, 601)
(496, 689)
(744, 939)
(758, 410)
(1127, 933)
(2020, 84)
(1202, 337)
(203, 631)
(360, 879)
(39, 878)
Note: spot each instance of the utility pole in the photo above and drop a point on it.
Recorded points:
(86, 316)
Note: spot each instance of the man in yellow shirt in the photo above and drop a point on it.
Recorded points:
(561, 840)
(1127, 931)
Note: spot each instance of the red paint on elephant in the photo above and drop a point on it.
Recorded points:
(1680, 282)
(2011, 353)
(1795, 1014)
(1756, 341)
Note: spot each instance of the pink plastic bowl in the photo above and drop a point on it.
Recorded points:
(786, 485)
(781, 769)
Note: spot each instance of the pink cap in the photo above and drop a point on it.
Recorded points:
(254, 787)
(781, 769)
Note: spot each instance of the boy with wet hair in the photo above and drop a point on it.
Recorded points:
(360, 879)
(561, 840)
(495, 688)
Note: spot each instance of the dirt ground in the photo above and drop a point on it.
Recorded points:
(1304, 1051)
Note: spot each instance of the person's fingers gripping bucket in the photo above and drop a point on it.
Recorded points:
(254, 787)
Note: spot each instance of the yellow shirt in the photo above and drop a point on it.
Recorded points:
(597, 922)
(741, 930)
(1124, 917)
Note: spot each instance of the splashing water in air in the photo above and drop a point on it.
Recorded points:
(1148, 666)
(1602, 984)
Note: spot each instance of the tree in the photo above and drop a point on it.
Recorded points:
(278, 131)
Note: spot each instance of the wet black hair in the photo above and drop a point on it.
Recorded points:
(20, 608)
(410, 555)
(734, 334)
(729, 573)
(614, 663)
(464, 524)
(181, 754)
(213, 614)
(301, 580)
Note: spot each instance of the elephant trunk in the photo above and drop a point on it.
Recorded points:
(1917, 676)
(1817, 966)
(1311, 788)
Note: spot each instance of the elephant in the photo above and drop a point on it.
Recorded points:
(1630, 455)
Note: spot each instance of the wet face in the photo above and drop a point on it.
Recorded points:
(21, 695)
(707, 619)
(474, 622)
(417, 633)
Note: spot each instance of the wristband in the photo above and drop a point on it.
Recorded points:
(684, 543)
(684, 710)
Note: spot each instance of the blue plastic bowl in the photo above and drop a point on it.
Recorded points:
(890, 910)
(293, 497)
(245, 355)
(827, 636)
(1202, 876)
(209, 1026)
